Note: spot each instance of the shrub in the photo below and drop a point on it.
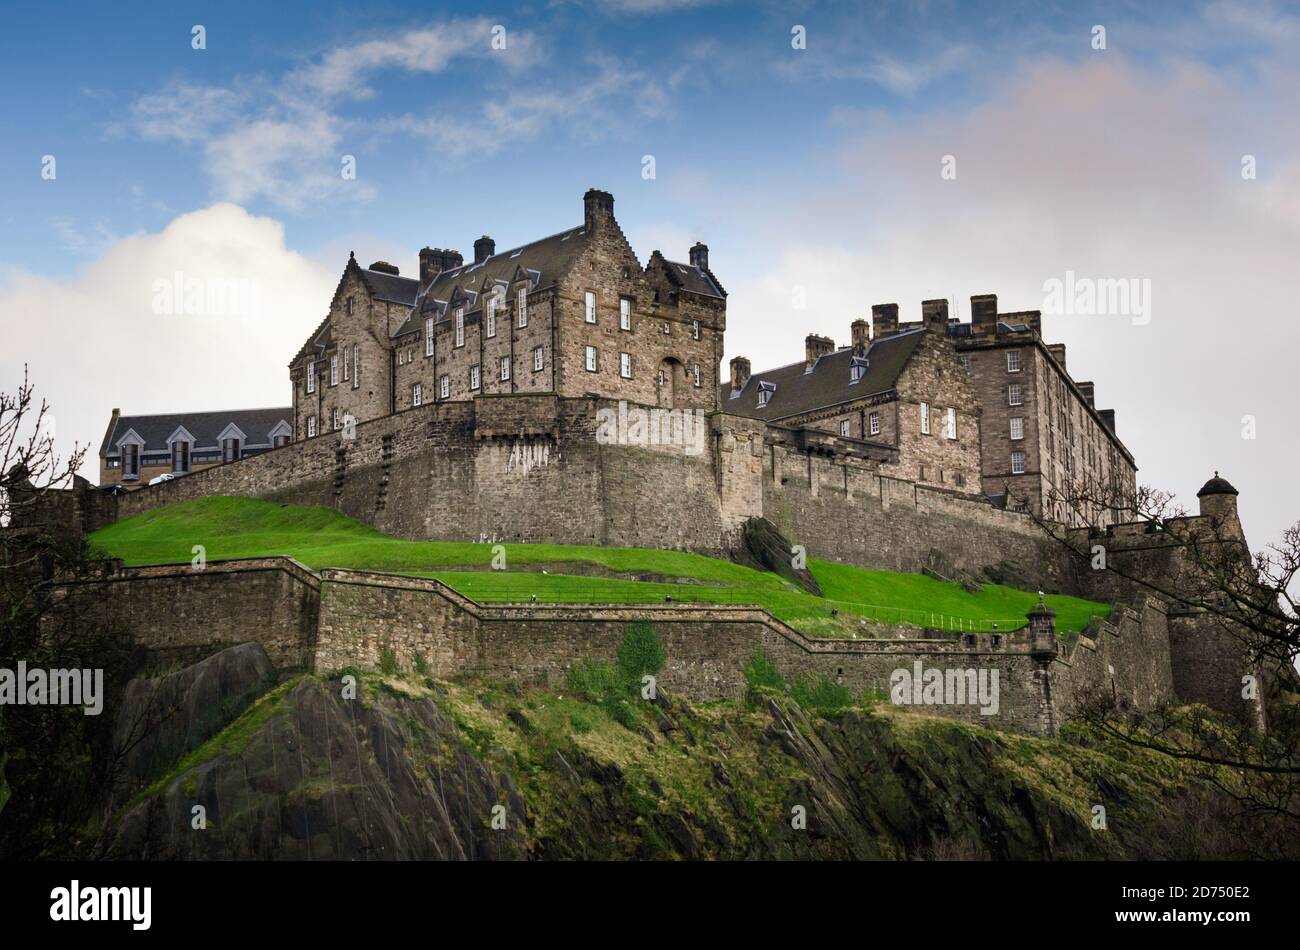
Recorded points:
(421, 666)
(761, 674)
(640, 654)
(821, 694)
(592, 680)
(387, 660)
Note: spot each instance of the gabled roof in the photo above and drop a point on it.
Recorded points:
(382, 285)
(543, 262)
(828, 384)
(688, 277)
(206, 427)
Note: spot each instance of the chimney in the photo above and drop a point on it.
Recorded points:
(984, 315)
(1108, 419)
(739, 373)
(884, 320)
(858, 330)
(430, 265)
(1088, 390)
(484, 248)
(934, 315)
(1058, 352)
(815, 346)
(700, 255)
(384, 267)
(598, 207)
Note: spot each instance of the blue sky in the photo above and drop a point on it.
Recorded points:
(812, 173)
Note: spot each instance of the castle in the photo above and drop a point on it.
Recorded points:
(470, 404)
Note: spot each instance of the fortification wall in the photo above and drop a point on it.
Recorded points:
(1124, 658)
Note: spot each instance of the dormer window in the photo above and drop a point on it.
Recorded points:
(857, 368)
(230, 449)
(180, 457)
(130, 461)
(765, 392)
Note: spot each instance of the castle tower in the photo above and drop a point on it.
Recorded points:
(1218, 500)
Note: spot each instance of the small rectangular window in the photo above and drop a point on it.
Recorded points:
(522, 306)
(591, 307)
(417, 394)
(492, 315)
(1017, 428)
(625, 365)
(875, 423)
(624, 314)
(695, 372)
(335, 417)
(695, 329)
(1013, 395)
(950, 423)
(537, 359)
(925, 418)
(428, 336)
(591, 359)
(1013, 361)
(965, 361)
(473, 377)
(356, 365)
(311, 377)
(1017, 463)
(444, 385)
(460, 326)
(180, 457)
(311, 427)
(347, 364)
(844, 427)
(334, 370)
(505, 368)
(349, 306)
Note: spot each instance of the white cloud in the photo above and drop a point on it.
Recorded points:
(93, 341)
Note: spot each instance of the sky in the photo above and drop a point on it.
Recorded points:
(832, 156)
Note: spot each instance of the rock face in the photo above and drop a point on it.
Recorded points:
(772, 551)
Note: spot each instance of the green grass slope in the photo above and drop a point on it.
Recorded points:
(230, 528)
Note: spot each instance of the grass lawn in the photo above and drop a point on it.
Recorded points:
(321, 537)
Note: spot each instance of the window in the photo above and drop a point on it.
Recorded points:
(522, 306)
(844, 427)
(1013, 395)
(857, 368)
(311, 427)
(765, 391)
(695, 371)
(311, 377)
(1017, 428)
(591, 307)
(925, 418)
(349, 306)
(695, 329)
(625, 365)
(505, 368)
(492, 315)
(473, 377)
(950, 423)
(410, 354)
(230, 449)
(180, 457)
(428, 336)
(668, 328)
(591, 359)
(875, 423)
(417, 395)
(624, 314)
(1017, 463)
(280, 441)
(347, 363)
(444, 385)
(334, 417)
(537, 359)
(965, 362)
(334, 370)
(661, 377)
(356, 365)
(401, 357)
(1013, 361)
(460, 326)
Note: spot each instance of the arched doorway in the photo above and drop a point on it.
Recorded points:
(668, 381)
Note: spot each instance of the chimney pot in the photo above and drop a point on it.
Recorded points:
(484, 248)
(598, 206)
(700, 255)
(816, 346)
(884, 320)
(739, 373)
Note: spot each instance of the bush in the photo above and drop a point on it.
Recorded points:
(387, 660)
(592, 680)
(821, 695)
(761, 674)
(640, 654)
(421, 665)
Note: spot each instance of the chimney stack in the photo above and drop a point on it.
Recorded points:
(739, 373)
(858, 331)
(934, 315)
(598, 207)
(700, 256)
(984, 315)
(1108, 419)
(435, 260)
(1088, 391)
(383, 267)
(484, 248)
(884, 320)
(815, 346)
(1058, 353)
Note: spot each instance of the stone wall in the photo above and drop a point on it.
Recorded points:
(340, 619)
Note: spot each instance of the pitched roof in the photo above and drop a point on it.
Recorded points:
(256, 424)
(828, 384)
(694, 279)
(543, 261)
(390, 287)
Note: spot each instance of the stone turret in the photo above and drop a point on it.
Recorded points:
(1043, 645)
(1219, 503)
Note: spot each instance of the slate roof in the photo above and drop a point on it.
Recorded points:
(829, 383)
(695, 279)
(544, 261)
(256, 424)
(391, 287)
